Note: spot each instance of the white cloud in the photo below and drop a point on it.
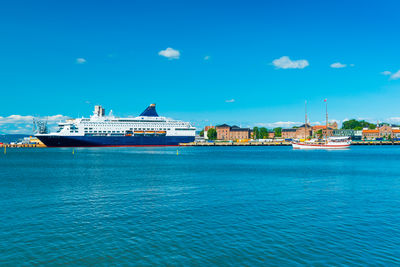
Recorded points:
(393, 119)
(230, 100)
(290, 124)
(393, 76)
(206, 57)
(286, 63)
(15, 119)
(338, 65)
(170, 53)
(283, 124)
(81, 60)
(24, 124)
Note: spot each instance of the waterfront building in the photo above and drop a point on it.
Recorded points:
(237, 133)
(385, 131)
(343, 132)
(271, 134)
(297, 133)
(304, 131)
(354, 134)
(322, 128)
(396, 133)
(31, 140)
(227, 132)
(223, 131)
(289, 133)
(331, 127)
(381, 132)
(370, 134)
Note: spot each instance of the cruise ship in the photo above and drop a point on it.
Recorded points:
(100, 130)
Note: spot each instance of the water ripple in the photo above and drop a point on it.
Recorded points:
(207, 206)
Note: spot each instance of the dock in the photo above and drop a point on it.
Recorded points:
(375, 143)
(208, 144)
(237, 144)
(21, 145)
(284, 143)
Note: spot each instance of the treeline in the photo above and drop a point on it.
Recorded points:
(259, 133)
(262, 132)
(357, 125)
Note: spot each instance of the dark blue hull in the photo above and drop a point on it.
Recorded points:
(101, 141)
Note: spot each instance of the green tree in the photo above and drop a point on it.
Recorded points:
(263, 132)
(201, 133)
(354, 124)
(212, 134)
(319, 133)
(256, 133)
(278, 131)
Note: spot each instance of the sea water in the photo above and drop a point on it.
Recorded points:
(201, 206)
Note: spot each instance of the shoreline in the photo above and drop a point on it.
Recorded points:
(357, 143)
(209, 144)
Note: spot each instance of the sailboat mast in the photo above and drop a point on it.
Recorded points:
(305, 124)
(326, 110)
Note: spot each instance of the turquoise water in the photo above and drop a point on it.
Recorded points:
(206, 206)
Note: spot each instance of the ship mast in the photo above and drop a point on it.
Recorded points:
(326, 130)
(305, 124)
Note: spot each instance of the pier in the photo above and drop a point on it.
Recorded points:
(237, 144)
(284, 143)
(375, 143)
(21, 145)
(208, 144)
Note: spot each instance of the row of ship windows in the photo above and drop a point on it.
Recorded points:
(141, 129)
(90, 131)
(124, 124)
(103, 131)
(137, 121)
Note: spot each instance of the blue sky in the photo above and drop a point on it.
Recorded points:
(242, 62)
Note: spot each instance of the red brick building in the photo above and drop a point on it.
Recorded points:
(317, 128)
(384, 131)
(297, 133)
(289, 133)
(226, 132)
(368, 134)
